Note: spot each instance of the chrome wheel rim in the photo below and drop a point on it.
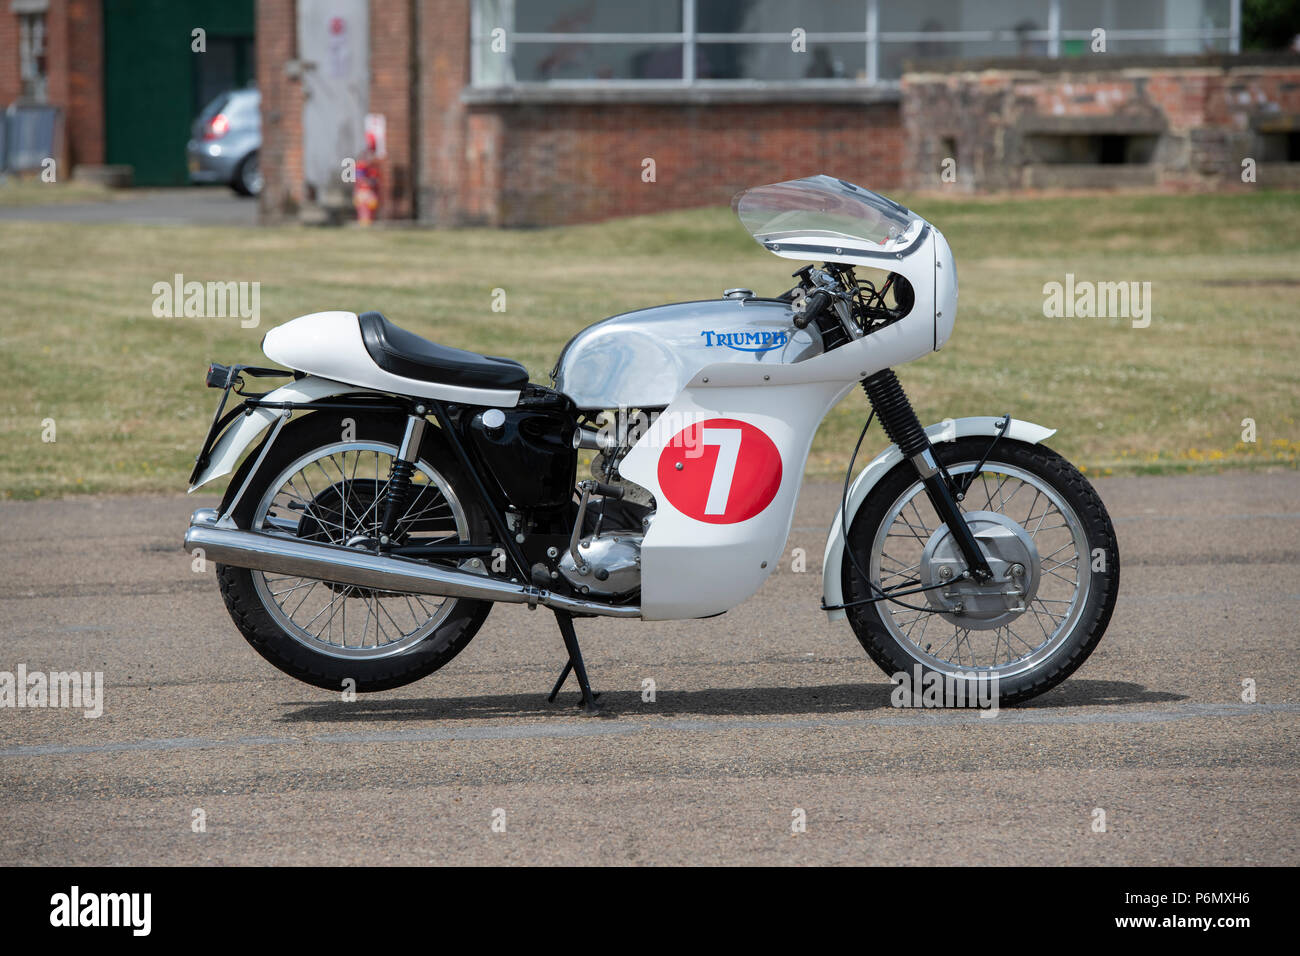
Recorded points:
(335, 495)
(1063, 576)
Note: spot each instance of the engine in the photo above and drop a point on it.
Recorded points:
(611, 565)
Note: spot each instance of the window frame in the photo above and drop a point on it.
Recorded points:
(871, 36)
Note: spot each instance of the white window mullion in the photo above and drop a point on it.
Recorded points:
(873, 41)
(688, 44)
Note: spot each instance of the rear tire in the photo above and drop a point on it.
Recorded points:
(264, 625)
(248, 177)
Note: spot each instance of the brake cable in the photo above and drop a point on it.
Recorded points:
(883, 595)
(960, 493)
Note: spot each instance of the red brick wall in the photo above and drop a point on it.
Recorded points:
(10, 74)
(281, 153)
(85, 80)
(443, 122)
(390, 95)
(579, 163)
(75, 70)
(1205, 113)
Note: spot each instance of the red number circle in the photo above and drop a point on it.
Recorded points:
(720, 471)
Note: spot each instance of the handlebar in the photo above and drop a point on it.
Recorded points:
(814, 305)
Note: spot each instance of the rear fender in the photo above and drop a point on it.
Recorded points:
(244, 432)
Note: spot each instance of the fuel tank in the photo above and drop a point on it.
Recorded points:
(643, 359)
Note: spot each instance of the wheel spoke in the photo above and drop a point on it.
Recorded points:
(336, 497)
(986, 638)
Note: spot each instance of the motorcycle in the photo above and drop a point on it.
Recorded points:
(400, 487)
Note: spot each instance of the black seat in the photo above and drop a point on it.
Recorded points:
(406, 354)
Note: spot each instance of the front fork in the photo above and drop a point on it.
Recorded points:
(904, 429)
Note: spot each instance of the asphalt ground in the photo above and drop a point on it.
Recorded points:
(758, 714)
(182, 206)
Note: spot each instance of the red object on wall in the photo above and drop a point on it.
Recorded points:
(367, 188)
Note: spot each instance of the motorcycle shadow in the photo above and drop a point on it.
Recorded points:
(826, 699)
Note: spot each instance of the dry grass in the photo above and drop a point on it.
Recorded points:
(78, 343)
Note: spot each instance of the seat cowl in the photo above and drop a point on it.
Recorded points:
(404, 353)
(329, 345)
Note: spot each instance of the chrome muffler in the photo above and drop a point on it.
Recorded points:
(280, 554)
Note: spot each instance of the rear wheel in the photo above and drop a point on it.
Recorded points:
(1049, 542)
(248, 177)
(325, 480)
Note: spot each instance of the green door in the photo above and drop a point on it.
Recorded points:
(155, 84)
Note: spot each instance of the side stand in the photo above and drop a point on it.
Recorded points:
(575, 664)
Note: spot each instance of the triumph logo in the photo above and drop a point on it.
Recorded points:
(747, 341)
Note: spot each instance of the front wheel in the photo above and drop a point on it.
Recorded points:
(1048, 541)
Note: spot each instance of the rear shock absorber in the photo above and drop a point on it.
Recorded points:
(398, 489)
(904, 429)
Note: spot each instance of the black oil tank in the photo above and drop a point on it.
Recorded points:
(530, 454)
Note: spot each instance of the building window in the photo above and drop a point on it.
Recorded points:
(1092, 149)
(839, 42)
(31, 56)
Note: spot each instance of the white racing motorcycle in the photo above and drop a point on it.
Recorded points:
(401, 487)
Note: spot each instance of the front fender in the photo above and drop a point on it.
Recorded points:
(869, 477)
(241, 435)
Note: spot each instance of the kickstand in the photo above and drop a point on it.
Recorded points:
(574, 663)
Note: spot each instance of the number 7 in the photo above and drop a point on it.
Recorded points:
(728, 442)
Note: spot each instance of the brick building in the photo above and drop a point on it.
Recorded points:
(511, 113)
(524, 154)
(1183, 122)
(51, 52)
(529, 112)
(124, 74)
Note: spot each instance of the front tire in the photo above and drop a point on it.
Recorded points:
(323, 480)
(1034, 511)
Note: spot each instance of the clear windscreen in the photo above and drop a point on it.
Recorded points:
(822, 207)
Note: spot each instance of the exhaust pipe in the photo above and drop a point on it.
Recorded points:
(279, 554)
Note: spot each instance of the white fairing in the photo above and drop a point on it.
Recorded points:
(329, 344)
(945, 290)
(691, 568)
(869, 477)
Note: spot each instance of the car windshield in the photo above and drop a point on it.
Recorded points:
(822, 210)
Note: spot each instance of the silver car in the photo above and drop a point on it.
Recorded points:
(224, 141)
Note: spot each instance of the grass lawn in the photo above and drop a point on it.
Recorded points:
(30, 190)
(79, 345)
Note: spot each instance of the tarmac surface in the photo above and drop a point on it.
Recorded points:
(759, 714)
(182, 206)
